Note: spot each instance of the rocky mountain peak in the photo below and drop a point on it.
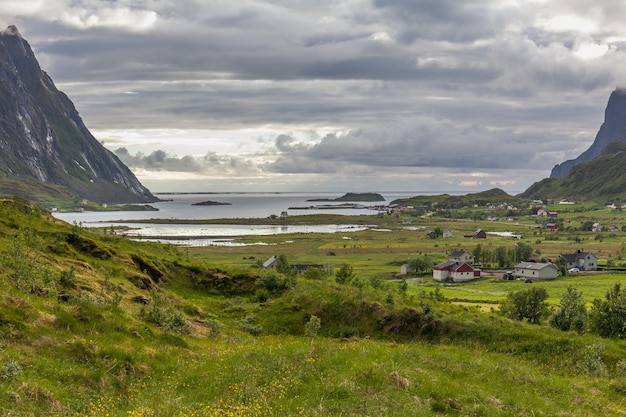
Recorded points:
(43, 138)
(11, 30)
(613, 129)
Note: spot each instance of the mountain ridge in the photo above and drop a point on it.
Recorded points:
(43, 138)
(604, 177)
(612, 129)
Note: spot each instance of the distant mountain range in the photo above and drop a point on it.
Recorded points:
(46, 151)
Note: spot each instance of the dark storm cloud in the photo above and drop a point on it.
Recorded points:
(412, 142)
(403, 83)
(159, 161)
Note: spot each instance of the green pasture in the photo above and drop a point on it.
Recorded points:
(490, 290)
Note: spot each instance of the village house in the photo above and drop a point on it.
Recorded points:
(271, 262)
(406, 269)
(455, 272)
(584, 261)
(301, 268)
(536, 270)
(597, 227)
(479, 234)
(447, 233)
(551, 226)
(461, 256)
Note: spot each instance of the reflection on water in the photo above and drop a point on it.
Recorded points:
(219, 234)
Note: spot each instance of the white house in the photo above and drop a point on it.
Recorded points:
(584, 261)
(536, 270)
(461, 256)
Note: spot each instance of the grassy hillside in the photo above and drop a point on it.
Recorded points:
(93, 324)
(601, 179)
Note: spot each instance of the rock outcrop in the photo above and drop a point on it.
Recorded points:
(612, 130)
(44, 140)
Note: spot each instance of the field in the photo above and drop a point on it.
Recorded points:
(98, 325)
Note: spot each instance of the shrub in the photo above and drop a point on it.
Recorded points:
(572, 313)
(527, 305)
(10, 370)
(162, 313)
(250, 325)
(312, 327)
(592, 363)
(262, 295)
(608, 317)
(345, 274)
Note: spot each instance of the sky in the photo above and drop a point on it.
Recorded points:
(333, 95)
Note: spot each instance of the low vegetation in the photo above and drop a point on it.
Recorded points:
(94, 324)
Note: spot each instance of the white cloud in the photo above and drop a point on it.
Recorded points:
(401, 92)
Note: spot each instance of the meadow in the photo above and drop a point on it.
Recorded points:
(95, 324)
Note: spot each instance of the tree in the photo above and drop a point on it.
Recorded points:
(572, 312)
(345, 274)
(608, 317)
(478, 252)
(527, 305)
(422, 264)
(502, 257)
(312, 327)
(282, 265)
(561, 264)
(524, 251)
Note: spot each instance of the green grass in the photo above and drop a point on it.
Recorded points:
(96, 344)
(491, 290)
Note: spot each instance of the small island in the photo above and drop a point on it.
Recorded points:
(354, 197)
(211, 203)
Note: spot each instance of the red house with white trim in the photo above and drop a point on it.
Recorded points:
(455, 271)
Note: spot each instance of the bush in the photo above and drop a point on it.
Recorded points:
(572, 313)
(345, 274)
(10, 370)
(527, 305)
(592, 363)
(250, 325)
(162, 313)
(608, 317)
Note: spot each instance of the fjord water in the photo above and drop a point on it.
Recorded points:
(240, 206)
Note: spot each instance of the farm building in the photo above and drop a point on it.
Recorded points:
(455, 271)
(536, 270)
(479, 234)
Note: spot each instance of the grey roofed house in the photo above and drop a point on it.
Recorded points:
(461, 256)
(270, 262)
(536, 270)
(584, 261)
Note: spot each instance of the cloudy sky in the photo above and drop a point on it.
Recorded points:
(333, 95)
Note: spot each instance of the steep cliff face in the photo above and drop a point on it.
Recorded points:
(612, 130)
(43, 138)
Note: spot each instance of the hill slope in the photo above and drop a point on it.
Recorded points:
(613, 129)
(602, 178)
(93, 324)
(44, 140)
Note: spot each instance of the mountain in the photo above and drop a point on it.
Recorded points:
(604, 177)
(613, 129)
(44, 143)
(492, 196)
